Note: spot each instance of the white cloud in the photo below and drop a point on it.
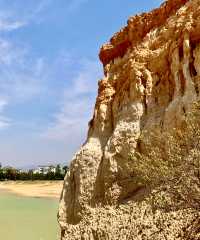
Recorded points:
(85, 80)
(76, 109)
(20, 75)
(4, 122)
(3, 103)
(22, 78)
(25, 77)
(10, 26)
(10, 21)
(70, 122)
(17, 15)
(11, 54)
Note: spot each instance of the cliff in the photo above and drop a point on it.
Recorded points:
(152, 78)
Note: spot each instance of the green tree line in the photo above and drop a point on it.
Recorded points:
(12, 174)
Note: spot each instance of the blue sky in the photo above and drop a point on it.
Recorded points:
(49, 70)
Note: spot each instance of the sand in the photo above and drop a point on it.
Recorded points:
(40, 189)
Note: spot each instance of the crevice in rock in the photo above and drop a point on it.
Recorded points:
(192, 69)
(182, 81)
(72, 216)
(184, 110)
(137, 194)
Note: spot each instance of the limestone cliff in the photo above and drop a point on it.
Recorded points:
(152, 77)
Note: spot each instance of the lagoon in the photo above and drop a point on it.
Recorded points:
(26, 218)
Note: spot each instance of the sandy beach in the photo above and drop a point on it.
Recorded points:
(40, 189)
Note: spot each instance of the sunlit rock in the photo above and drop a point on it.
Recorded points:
(152, 77)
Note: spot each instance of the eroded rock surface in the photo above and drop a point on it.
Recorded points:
(152, 77)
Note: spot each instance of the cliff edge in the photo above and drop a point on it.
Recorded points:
(152, 78)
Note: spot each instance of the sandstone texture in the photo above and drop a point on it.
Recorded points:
(152, 77)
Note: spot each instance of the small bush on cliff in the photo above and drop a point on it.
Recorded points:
(171, 164)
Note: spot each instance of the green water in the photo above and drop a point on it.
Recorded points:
(24, 218)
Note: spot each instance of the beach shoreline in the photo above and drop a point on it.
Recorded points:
(36, 189)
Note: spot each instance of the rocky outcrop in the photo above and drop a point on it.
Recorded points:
(152, 77)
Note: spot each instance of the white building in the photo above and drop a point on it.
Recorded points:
(44, 169)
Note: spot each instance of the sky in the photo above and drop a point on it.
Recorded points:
(49, 69)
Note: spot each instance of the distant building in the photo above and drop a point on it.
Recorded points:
(20, 171)
(44, 169)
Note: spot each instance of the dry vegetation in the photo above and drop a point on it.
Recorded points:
(171, 169)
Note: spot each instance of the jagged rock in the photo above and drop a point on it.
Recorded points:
(152, 77)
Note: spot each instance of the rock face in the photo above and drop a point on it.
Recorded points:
(152, 76)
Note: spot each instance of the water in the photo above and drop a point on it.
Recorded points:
(23, 218)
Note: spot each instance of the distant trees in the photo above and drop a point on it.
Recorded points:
(10, 173)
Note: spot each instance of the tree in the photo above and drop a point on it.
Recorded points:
(65, 169)
(58, 173)
(10, 173)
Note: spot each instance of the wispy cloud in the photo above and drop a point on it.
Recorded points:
(3, 103)
(4, 122)
(22, 79)
(20, 74)
(10, 53)
(77, 105)
(10, 26)
(10, 21)
(26, 78)
(14, 16)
